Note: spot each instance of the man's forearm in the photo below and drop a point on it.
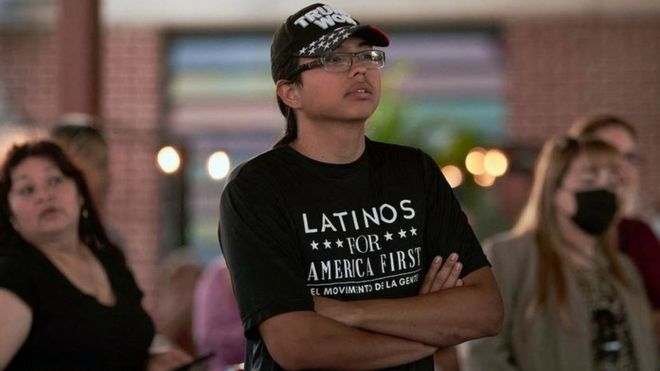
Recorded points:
(442, 318)
(305, 340)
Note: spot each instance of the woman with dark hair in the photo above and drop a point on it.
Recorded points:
(571, 300)
(67, 298)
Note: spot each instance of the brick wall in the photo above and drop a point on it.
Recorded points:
(560, 69)
(131, 107)
(28, 71)
(130, 101)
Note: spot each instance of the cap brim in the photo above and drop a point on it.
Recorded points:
(373, 35)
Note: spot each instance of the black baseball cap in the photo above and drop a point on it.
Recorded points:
(316, 30)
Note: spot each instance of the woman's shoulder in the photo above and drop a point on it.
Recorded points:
(509, 243)
(509, 252)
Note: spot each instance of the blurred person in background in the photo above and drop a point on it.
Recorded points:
(178, 275)
(84, 142)
(217, 325)
(636, 238)
(623, 136)
(513, 187)
(572, 301)
(67, 299)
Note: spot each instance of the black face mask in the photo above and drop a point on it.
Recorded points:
(595, 210)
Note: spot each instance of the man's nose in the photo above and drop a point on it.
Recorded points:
(358, 66)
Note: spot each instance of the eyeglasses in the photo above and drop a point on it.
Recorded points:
(340, 62)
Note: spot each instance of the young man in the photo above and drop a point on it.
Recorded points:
(335, 242)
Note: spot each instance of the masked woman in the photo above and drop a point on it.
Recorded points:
(67, 298)
(572, 301)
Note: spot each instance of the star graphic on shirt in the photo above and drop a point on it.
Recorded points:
(315, 246)
(402, 233)
(339, 243)
(388, 236)
(327, 244)
(413, 231)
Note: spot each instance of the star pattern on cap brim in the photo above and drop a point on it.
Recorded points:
(326, 43)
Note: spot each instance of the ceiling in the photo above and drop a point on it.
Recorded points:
(267, 12)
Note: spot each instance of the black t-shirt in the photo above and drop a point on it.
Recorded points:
(70, 329)
(291, 227)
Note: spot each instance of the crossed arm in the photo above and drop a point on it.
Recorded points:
(383, 333)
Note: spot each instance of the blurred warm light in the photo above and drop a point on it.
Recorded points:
(218, 165)
(496, 162)
(453, 174)
(9, 138)
(484, 180)
(168, 160)
(474, 161)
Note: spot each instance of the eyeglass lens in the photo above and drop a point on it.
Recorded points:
(343, 61)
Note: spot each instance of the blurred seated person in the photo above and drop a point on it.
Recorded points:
(178, 276)
(67, 299)
(635, 236)
(217, 325)
(572, 301)
(513, 187)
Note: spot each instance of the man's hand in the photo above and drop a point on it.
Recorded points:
(442, 276)
(435, 316)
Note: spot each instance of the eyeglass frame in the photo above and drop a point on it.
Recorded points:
(321, 62)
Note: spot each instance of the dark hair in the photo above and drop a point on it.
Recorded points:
(90, 228)
(291, 131)
(591, 124)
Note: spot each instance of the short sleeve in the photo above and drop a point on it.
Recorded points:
(260, 249)
(447, 226)
(15, 277)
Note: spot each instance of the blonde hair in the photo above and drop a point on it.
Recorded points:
(539, 218)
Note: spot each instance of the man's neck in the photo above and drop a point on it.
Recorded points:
(333, 144)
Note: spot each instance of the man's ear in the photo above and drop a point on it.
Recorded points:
(288, 92)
